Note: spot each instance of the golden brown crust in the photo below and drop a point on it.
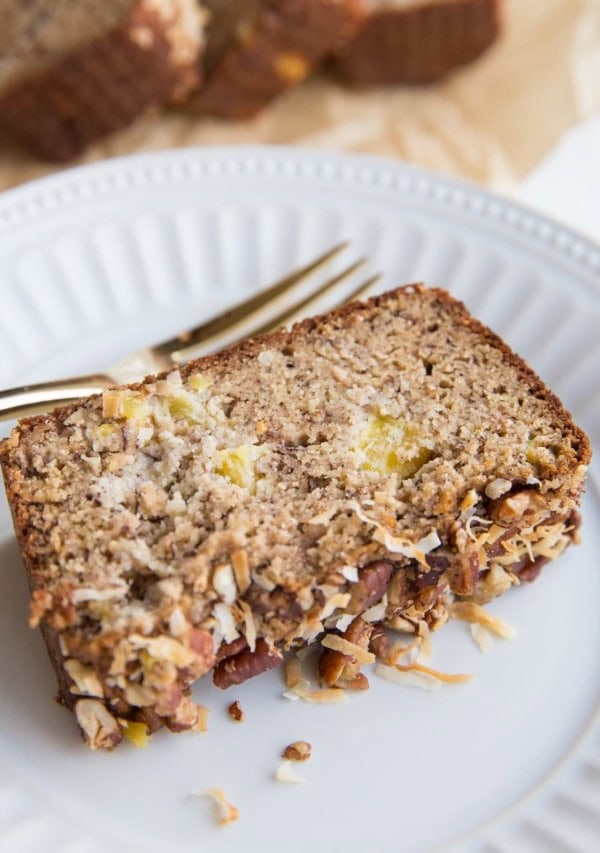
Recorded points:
(420, 42)
(281, 48)
(101, 86)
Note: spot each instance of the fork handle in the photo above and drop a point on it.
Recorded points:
(16, 403)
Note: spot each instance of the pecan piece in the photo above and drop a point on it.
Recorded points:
(236, 712)
(463, 574)
(379, 643)
(513, 508)
(527, 569)
(228, 650)
(299, 750)
(246, 664)
(373, 580)
(339, 670)
(400, 594)
(184, 717)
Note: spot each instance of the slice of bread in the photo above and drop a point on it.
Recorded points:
(261, 50)
(418, 41)
(371, 466)
(73, 72)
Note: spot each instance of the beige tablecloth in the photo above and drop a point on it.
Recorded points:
(492, 122)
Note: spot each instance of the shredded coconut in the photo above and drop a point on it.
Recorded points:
(468, 611)
(225, 812)
(284, 773)
(339, 644)
(482, 636)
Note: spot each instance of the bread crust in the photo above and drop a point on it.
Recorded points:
(101, 86)
(420, 42)
(285, 43)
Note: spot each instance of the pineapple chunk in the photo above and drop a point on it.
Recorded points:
(135, 408)
(238, 465)
(106, 430)
(387, 446)
(198, 382)
(136, 733)
(184, 407)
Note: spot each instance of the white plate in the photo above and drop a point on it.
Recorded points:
(97, 261)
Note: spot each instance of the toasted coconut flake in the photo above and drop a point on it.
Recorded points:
(293, 673)
(482, 636)
(164, 648)
(339, 644)
(399, 650)
(201, 724)
(424, 649)
(399, 623)
(336, 602)
(324, 696)
(263, 581)
(376, 613)
(239, 561)
(284, 773)
(224, 811)
(224, 583)
(225, 622)
(89, 594)
(85, 680)
(350, 573)
(399, 544)
(407, 678)
(178, 625)
(249, 625)
(468, 611)
(422, 675)
(475, 519)
(291, 695)
(497, 488)
(344, 621)
(469, 500)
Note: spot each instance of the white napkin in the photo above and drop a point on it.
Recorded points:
(566, 185)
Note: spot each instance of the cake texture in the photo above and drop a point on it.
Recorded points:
(418, 41)
(371, 467)
(73, 72)
(258, 50)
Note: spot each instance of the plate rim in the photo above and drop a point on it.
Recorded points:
(87, 181)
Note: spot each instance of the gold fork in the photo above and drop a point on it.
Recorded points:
(269, 309)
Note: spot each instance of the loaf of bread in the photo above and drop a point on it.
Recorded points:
(418, 41)
(369, 468)
(72, 71)
(257, 50)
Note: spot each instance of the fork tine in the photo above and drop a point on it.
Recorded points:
(300, 313)
(176, 349)
(363, 289)
(300, 309)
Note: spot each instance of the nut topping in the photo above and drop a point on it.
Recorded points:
(246, 664)
(513, 508)
(299, 750)
(99, 728)
(235, 712)
(372, 583)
